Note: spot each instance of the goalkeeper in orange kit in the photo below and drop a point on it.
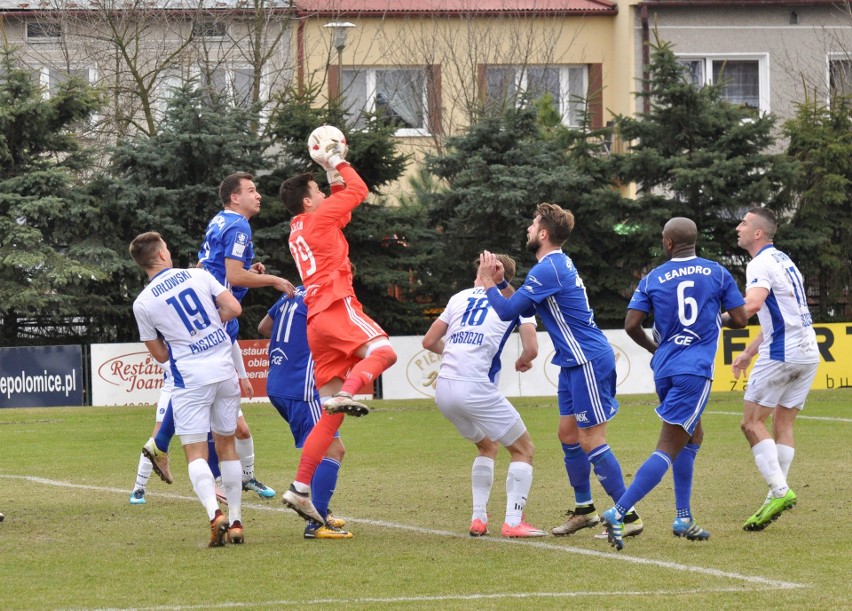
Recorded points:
(349, 348)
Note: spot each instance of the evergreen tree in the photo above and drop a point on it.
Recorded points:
(695, 155)
(50, 247)
(169, 183)
(498, 172)
(819, 235)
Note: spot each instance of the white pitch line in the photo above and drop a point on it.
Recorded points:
(437, 598)
(752, 579)
(799, 417)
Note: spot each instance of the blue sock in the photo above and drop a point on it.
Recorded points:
(682, 473)
(608, 471)
(323, 484)
(647, 477)
(578, 468)
(167, 430)
(212, 457)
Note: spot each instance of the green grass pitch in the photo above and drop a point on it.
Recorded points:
(71, 540)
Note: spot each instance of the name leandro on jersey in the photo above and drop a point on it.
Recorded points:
(689, 270)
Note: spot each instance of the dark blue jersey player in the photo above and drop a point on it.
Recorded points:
(554, 290)
(687, 295)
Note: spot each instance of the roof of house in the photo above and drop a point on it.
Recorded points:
(451, 7)
(83, 5)
(728, 3)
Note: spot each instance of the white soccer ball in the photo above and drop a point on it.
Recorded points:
(321, 139)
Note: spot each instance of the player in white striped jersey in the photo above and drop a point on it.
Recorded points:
(471, 336)
(787, 365)
(181, 315)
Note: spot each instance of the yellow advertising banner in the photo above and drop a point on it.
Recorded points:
(835, 364)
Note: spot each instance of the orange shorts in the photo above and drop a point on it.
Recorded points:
(335, 334)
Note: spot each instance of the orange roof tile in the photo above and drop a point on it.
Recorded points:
(431, 7)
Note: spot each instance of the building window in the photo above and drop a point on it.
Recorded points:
(210, 30)
(41, 31)
(743, 80)
(170, 81)
(566, 85)
(396, 96)
(840, 77)
(233, 82)
(52, 78)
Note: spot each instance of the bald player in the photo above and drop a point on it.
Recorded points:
(784, 371)
(687, 295)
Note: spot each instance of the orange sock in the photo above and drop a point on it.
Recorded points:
(316, 445)
(366, 371)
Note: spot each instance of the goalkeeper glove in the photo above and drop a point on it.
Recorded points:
(334, 178)
(334, 155)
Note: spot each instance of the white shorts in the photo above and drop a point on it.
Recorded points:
(774, 383)
(213, 407)
(163, 402)
(478, 410)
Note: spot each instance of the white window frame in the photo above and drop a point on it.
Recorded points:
(831, 58)
(565, 93)
(404, 132)
(44, 76)
(40, 40)
(762, 60)
(170, 79)
(230, 67)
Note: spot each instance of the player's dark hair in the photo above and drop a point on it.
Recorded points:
(144, 248)
(557, 222)
(231, 184)
(769, 220)
(293, 192)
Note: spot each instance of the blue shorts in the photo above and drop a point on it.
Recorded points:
(301, 415)
(683, 399)
(587, 391)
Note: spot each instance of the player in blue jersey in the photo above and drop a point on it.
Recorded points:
(686, 295)
(228, 254)
(787, 365)
(291, 388)
(586, 392)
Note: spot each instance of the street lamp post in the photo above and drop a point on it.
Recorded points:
(339, 30)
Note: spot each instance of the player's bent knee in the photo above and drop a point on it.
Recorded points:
(387, 356)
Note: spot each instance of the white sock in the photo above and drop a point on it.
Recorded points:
(202, 482)
(518, 483)
(245, 450)
(481, 479)
(766, 459)
(785, 457)
(143, 472)
(232, 485)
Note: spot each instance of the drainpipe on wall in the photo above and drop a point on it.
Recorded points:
(646, 57)
(300, 52)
